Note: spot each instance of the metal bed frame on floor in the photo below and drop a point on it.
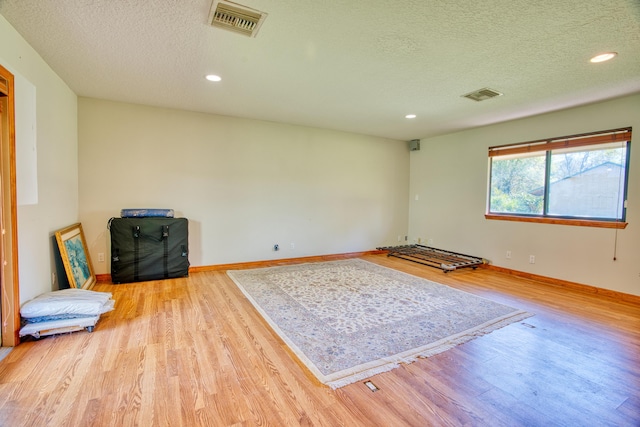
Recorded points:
(439, 258)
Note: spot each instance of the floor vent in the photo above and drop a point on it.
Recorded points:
(371, 386)
(482, 94)
(235, 17)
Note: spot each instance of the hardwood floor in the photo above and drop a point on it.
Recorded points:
(194, 352)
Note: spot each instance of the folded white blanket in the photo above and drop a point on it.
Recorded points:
(68, 301)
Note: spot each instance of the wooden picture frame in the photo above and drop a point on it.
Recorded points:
(75, 257)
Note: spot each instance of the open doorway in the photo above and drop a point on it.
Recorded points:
(9, 287)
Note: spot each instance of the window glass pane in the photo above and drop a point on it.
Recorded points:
(588, 182)
(517, 184)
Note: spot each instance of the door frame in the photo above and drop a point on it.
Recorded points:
(9, 282)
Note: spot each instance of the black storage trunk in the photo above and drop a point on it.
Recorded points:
(148, 248)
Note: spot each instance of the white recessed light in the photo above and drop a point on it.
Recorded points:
(213, 78)
(410, 116)
(603, 57)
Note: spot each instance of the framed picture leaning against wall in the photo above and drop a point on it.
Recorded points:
(75, 257)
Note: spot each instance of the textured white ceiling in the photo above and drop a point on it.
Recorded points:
(357, 66)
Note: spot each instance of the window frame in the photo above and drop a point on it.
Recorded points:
(546, 147)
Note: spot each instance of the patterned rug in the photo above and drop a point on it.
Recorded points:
(348, 320)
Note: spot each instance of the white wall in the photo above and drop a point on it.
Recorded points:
(245, 185)
(450, 176)
(57, 163)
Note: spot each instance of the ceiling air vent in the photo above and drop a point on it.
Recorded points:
(235, 17)
(482, 94)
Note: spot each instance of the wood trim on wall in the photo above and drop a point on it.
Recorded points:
(618, 296)
(558, 221)
(10, 290)
(285, 261)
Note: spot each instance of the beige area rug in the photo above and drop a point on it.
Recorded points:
(348, 320)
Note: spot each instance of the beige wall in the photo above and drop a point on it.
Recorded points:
(245, 185)
(450, 176)
(56, 205)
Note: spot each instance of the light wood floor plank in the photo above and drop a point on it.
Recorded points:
(194, 352)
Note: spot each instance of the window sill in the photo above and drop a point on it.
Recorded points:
(559, 221)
